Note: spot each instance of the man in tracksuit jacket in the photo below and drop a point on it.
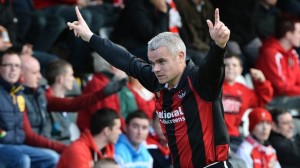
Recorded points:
(188, 96)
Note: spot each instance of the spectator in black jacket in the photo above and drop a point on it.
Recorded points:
(139, 21)
(281, 138)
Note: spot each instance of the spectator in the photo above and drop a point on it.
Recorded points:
(106, 163)
(103, 132)
(43, 30)
(138, 22)
(131, 148)
(290, 6)
(278, 60)
(265, 18)
(188, 96)
(18, 143)
(255, 149)
(239, 16)
(124, 102)
(79, 53)
(237, 98)
(286, 145)
(10, 22)
(60, 78)
(194, 31)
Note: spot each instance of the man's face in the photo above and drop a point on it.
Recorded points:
(233, 69)
(285, 125)
(10, 68)
(68, 78)
(137, 130)
(115, 132)
(167, 68)
(294, 37)
(31, 74)
(262, 130)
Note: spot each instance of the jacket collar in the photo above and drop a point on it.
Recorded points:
(12, 88)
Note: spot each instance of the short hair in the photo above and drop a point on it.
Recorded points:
(233, 55)
(55, 69)
(285, 24)
(103, 118)
(10, 51)
(276, 112)
(170, 40)
(136, 114)
(105, 162)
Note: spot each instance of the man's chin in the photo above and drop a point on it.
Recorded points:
(162, 81)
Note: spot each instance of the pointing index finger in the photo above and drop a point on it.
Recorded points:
(78, 14)
(217, 16)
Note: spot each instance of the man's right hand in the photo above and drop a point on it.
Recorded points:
(80, 27)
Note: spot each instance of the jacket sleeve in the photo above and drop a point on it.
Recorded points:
(269, 65)
(211, 72)
(33, 139)
(124, 61)
(263, 92)
(74, 104)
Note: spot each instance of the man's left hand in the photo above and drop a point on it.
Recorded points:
(218, 31)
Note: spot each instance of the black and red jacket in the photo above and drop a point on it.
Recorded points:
(191, 114)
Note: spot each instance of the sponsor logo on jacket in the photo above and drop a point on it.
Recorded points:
(171, 117)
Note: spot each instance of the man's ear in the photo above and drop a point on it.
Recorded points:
(58, 79)
(181, 57)
(21, 78)
(289, 34)
(106, 131)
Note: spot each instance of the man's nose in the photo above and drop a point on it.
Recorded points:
(155, 68)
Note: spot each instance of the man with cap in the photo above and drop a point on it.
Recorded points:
(255, 150)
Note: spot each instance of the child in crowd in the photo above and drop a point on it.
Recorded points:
(255, 149)
(237, 98)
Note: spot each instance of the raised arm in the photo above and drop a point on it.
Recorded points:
(212, 67)
(114, 54)
(56, 104)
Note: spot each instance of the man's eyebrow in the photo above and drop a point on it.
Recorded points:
(160, 59)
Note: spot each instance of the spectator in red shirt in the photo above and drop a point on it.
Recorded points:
(103, 132)
(237, 98)
(279, 61)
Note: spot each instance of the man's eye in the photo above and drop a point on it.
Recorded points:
(162, 61)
